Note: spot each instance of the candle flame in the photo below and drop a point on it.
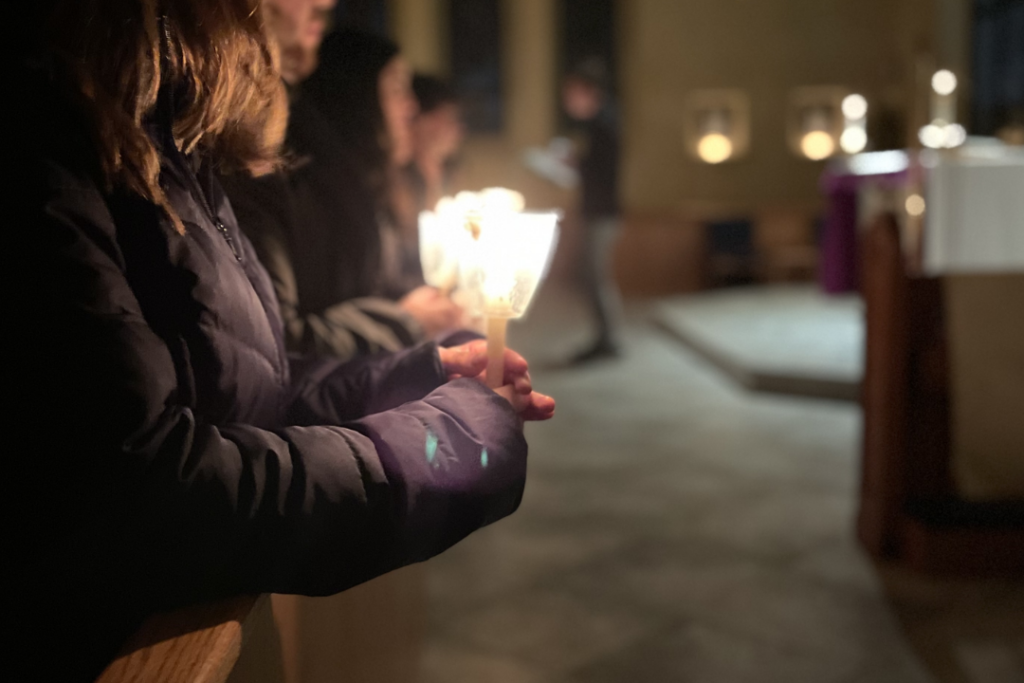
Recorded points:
(502, 252)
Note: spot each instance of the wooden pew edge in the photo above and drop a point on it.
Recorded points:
(198, 644)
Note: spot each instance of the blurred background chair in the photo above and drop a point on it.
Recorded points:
(731, 257)
(786, 243)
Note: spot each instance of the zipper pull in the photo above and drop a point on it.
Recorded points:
(227, 238)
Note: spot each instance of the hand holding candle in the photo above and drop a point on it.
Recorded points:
(500, 255)
(432, 309)
(471, 360)
(504, 266)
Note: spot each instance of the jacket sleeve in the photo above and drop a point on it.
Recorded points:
(344, 330)
(133, 489)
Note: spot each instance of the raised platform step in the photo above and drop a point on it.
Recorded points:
(782, 339)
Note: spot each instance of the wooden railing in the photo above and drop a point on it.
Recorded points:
(232, 640)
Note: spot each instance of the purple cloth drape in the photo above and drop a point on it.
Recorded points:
(839, 269)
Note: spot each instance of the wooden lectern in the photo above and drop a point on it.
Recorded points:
(910, 509)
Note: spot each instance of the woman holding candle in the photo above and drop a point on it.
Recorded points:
(173, 451)
(327, 231)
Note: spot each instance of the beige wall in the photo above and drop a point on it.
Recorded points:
(420, 28)
(986, 348)
(529, 43)
(765, 47)
(531, 39)
(667, 48)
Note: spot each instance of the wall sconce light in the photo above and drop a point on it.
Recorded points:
(816, 122)
(943, 132)
(716, 127)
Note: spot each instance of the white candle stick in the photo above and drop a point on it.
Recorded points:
(496, 328)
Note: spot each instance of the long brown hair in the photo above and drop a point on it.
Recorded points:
(214, 55)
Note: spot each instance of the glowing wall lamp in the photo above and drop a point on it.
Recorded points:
(816, 122)
(716, 125)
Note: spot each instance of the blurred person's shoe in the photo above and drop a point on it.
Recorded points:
(602, 350)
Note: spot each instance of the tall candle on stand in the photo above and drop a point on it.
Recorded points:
(943, 132)
(944, 96)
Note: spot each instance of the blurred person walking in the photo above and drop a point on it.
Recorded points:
(586, 99)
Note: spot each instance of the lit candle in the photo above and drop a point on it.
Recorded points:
(503, 265)
(944, 96)
(442, 238)
(943, 131)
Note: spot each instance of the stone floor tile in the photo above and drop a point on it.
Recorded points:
(449, 663)
(701, 654)
(551, 629)
(677, 528)
(505, 557)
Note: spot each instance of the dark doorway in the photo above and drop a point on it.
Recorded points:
(475, 29)
(997, 94)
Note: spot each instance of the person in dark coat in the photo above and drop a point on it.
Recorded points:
(347, 278)
(173, 451)
(437, 133)
(586, 100)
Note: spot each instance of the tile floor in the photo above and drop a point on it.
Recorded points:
(678, 528)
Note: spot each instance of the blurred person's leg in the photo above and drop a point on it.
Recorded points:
(599, 288)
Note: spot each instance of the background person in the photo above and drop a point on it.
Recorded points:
(322, 226)
(437, 134)
(586, 99)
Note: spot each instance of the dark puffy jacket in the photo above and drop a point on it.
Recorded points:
(172, 451)
(338, 268)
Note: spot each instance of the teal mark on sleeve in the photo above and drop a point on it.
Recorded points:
(483, 458)
(431, 446)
